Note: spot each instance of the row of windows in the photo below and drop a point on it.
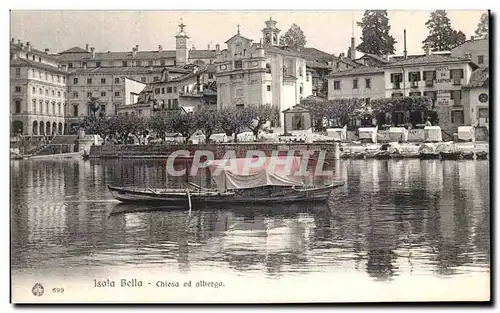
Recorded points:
(368, 84)
(89, 81)
(427, 75)
(162, 90)
(116, 80)
(90, 94)
(38, 107)
(44, 75)
(124, 63)
(41, 91)
(455, 95)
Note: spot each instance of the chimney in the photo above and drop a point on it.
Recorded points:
(472, 38)
(137, 48)
(160, 48)
(193, 48)
(208, 47)
(92, 50)
(405, 53)
(28, 46)
(341, 55)
(217, 48)
(427, 51)
(87, 47)
(134, 51)
(47, 51)
(353, 49)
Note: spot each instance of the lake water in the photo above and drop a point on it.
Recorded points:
(396, 229)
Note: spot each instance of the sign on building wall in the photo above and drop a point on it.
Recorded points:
(443, 85)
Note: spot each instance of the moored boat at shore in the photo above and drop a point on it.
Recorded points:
(235, 185)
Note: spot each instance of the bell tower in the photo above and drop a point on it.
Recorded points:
(181, 46)
(270, 34)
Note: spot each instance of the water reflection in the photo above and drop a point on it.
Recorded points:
(390, 218)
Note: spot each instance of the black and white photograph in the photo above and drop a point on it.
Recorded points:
(249, 156)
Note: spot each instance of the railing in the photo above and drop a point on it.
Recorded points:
(429, 83)
(191, 93)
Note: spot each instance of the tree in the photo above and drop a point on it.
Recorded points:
(93, 105)
(96, 126)
(483, 26)
(183, 123)
(317, 111)
(375, 33)
(121, 126)
(340, 111)
(323, 91)
(159, 124)
(294, 38)
(442, 37)
(233, 120)
(207, 120)
(259, 115)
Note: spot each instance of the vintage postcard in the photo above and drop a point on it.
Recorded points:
(249, 156)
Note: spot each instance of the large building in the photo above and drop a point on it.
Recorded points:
(477, 50)
(38, 94)
(50, 92)
(261, 73)
(439, 76)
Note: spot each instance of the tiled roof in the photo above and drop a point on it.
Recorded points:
(118, 70)
(74, 50)
(479, 78)
(376, 57)
(469, 41)
(313, 54)
(281, 50)
(357, 71)
(395, 58)
(428, 59)
(201, 54)
(314, 64)
(346, 61)
(100, 56)
(34, 51)
(238, 35)
(24, 62)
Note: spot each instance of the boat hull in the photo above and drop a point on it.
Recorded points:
(179, 197)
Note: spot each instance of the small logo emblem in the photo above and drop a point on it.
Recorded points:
(37, 290)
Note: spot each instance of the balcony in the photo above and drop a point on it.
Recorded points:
(192, 93)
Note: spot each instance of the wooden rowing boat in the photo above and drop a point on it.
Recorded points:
(179, 197)
(236, 185)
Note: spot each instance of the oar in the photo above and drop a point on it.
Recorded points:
(189, 198)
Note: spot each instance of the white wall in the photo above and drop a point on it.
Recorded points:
(376, 91)
(131, 86)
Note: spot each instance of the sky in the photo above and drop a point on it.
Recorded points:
(329, 31)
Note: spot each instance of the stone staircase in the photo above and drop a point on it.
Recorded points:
(57, 144)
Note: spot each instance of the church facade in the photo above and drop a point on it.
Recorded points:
(261, 73)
